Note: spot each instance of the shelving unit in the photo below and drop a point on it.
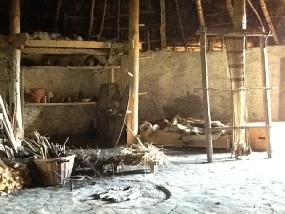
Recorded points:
(68, 47)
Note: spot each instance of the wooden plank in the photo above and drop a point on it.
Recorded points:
(206, 97)
(115, 67)
(23, 40)
(59, 104)
(103, 52)
(67, 44)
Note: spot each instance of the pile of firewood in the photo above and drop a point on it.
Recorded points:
(13, 176)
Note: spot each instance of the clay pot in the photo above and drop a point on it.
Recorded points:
(37, 94)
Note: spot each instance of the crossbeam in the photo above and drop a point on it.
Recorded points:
(233, 33)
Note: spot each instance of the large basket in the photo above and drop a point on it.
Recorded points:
(54, 171)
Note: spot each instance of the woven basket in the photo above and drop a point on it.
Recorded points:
(53, 171)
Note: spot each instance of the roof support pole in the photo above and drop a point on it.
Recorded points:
(133, 68)
(206, 97)
(15, 95)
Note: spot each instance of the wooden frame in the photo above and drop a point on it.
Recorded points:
(266, 87)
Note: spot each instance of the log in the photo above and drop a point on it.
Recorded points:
(12, 179)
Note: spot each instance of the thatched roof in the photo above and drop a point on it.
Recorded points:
(74, 18)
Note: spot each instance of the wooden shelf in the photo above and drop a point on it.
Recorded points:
(60, 104)
(71, 67)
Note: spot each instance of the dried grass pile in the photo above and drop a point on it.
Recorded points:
(136, 155)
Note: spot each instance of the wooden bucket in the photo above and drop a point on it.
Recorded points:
(55, 170)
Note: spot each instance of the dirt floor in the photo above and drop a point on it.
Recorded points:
(191, 185)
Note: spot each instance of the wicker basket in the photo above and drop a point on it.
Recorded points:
(54, 171)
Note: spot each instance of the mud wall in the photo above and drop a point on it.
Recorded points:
(172, 81)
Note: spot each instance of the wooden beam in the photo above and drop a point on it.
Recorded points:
(71, 67)
(103, 52)
(230, 8)
(15, 100)
(266, 94)
(118, 19)
(65, 44)
(102, 20)
(59, 3)
(162, 24)
(91, 21)
(200, 13)
(233, 33)
(180, 23)
(206, 97)
(134, 46)
(269, 22)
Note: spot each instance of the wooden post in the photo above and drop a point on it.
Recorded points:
(118, 20)
(266, 94)
(91, 20)
(15, 69)
(111, 75)
(180, 24)
(206, 97)
(200, 13)
(134, 69)
(103, 20)
(55, 28)
(162, 24)
(269, 22)
(205, 83)
(230, 8)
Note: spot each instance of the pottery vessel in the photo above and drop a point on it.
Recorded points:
(37, 94)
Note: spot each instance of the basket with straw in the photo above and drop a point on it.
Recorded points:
(53, 165)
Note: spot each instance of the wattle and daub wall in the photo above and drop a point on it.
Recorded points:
(173, 84)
